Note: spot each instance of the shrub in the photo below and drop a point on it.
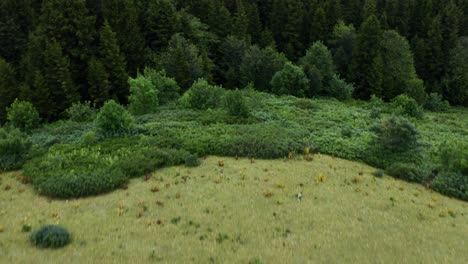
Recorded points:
(80, 112)
(405, 105)
(339, 89)
(145, 160)
(143, 97)
(80, 182)
(452, 183)
(168, 89)
(408, 172)
(89, 139)
(192, 160)
(236, 104)
(378, 173)
(50, 236)
(397, 134)
(291, 80)
(454, 156)
(14, 149)
(203, 96)
(396, 141)
(22, 115)
(113, 120)
(436, 103)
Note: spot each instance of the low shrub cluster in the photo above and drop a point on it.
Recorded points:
(452, 180)
(113, 120)
(23, 115)
(14, 149)
(436, 103)
(81, 112)
(202, 96)
(407, 106)
(50, 236)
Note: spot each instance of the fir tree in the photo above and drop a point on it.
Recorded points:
(98, 81)
(114, 63)
(8, 87)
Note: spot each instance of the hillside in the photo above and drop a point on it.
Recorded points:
(243, 212)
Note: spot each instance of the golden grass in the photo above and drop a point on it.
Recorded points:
(243, 211)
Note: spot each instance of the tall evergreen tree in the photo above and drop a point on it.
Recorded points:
(455, 87)
(399, 71)
(98, 81)
(160, 23)
(57, 75)
(366, 64)
(342, 43)
(8, 87)
(114, 63)
(319, 27)
(122, 16)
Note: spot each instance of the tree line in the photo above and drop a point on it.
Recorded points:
(56, 52)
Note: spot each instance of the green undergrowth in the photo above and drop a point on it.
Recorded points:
(271, 127)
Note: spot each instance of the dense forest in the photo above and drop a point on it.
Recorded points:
(56, 52)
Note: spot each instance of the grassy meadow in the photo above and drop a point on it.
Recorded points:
(245, 211)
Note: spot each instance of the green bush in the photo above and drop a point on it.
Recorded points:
(436, 103)
(14, 149)
(454, 156)
(23, 115)
(396, 141)
(396, 134)
(89, 139)
(408, 172)
(81, 112)
(236, 104)
(339, 89)
(192, 160)
(452, 183)
(203, 96)
(113, 120)
(168, 89)
(291, 80)
(50, 236)
(407, 106)
(143, 98)
(81, 182)
(148, 159)
(66, 171)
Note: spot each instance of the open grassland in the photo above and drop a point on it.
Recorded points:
(244, 211)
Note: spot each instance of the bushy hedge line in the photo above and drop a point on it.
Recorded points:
(14, 149)
(71, 171)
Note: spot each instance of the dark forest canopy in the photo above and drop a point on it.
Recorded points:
(56, 52)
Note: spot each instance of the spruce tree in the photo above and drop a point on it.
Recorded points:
(98, 81)
(160, 23)
(8, 87)
(319, 27)
(42, 96)
(57, 75)
(122, 16)
(114, 63)
(365, 66)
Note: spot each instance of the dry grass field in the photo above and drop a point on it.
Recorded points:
(243, 211)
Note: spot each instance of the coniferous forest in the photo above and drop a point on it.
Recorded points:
(234, 131)
(54, 53)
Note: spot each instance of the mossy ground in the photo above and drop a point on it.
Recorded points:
(243, 211)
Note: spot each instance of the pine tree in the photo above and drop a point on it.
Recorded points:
(16, 20)
(352, 12)
(98, 81)
(240, 21)
(319, 28)
(456, 80)
(294, 41)
(219, 18)
(365, 64)
(160, 23)
(70, 24)
(255, 25)
(42, 96)
(122, 16)
(342, 44)
(182, 61)
(8, 87)
(114, 63)
(369, 9)
(399, 71)
(57, 75)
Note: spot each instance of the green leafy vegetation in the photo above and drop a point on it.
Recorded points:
(50, 236)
